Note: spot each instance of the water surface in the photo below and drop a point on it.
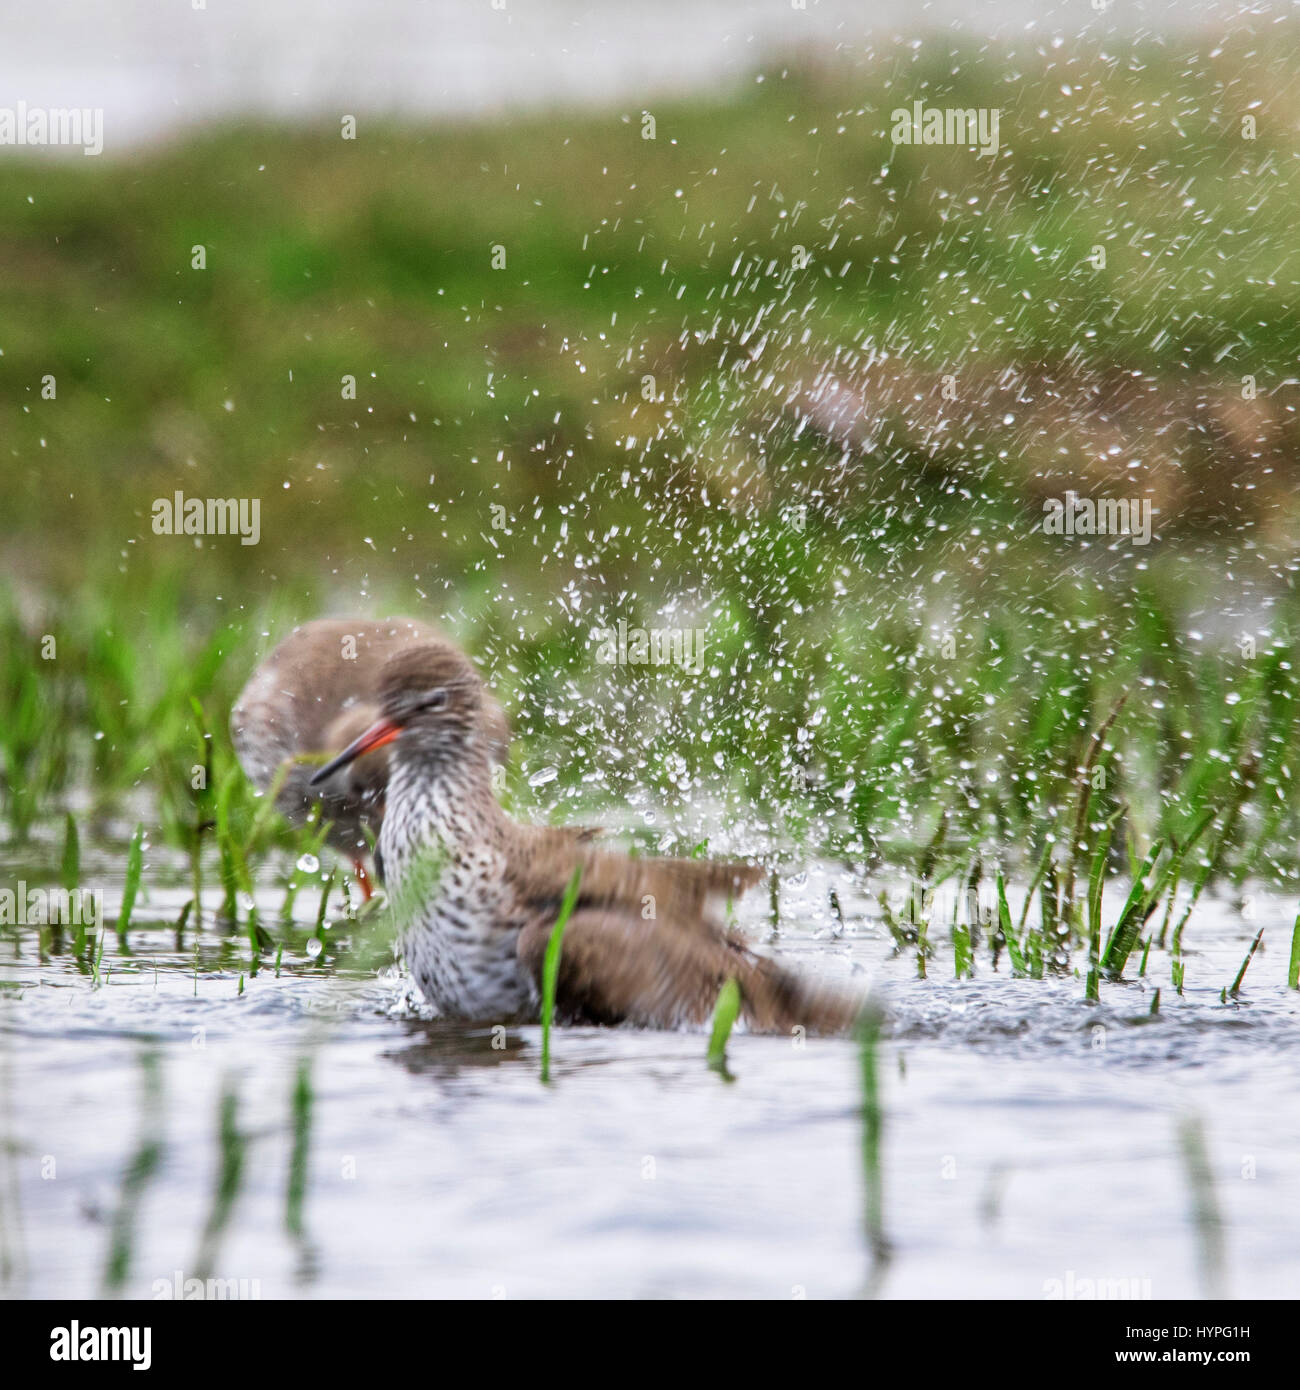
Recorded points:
(1032, 1142)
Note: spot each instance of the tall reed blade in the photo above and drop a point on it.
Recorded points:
(134, 868)
(1250, 955)
(1181, 848)
(1096, 886)
(551, 968)
(1009, 931)
(961, 935)
(1125, 934)
(725, 1013)
(69, 874)
(1083, 781)
(70, 869)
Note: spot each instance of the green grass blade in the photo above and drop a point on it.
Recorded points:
(1008, 931)
(134, 868)
(70, 870)
(325, 891)
(1125, 934)
(69, 873)
(725, 1013)
(1175, 869)
(1250, 955)
(961, 938)
(551, 968)
(1083, 780)
(1039, 874)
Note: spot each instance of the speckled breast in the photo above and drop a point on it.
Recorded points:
(460, 932)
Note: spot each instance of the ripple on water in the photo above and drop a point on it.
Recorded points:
(1021, 1123)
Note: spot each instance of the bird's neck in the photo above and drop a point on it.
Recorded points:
(439, 802)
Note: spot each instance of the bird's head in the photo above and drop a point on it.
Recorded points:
(430, 698)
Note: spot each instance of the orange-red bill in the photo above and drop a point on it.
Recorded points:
(382, 731)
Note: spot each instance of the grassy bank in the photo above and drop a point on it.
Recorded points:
(680, 258)
(703, 388)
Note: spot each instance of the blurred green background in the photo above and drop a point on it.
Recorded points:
(707, 388)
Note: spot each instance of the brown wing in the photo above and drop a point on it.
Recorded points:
(683, 890)
(617, 968)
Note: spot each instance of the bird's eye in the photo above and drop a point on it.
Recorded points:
(435, 699)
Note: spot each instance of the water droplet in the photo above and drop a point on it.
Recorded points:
(309, 863)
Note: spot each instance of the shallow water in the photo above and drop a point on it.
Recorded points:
(1029, 1137)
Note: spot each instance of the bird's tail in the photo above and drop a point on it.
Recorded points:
(778, 999)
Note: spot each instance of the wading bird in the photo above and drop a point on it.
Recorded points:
(310, 698)
(476, 894)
